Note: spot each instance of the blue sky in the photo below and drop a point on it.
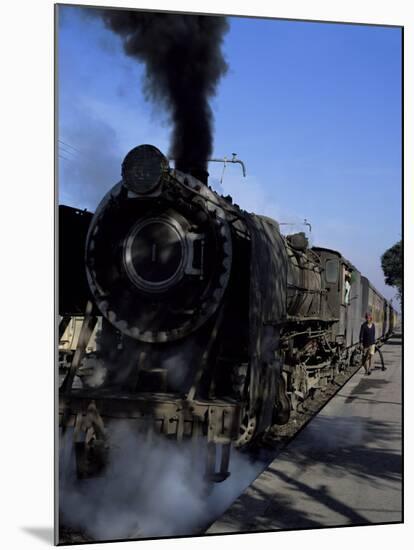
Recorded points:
(313, 109)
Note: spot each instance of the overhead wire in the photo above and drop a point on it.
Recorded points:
(68, 145)
(67, 152)
(65, 158)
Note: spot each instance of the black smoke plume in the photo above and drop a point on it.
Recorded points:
(184, 64)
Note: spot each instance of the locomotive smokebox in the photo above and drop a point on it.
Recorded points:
(157, 260)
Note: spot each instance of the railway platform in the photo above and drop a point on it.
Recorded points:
(343, 468)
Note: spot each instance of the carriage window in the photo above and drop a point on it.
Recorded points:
(331, 271)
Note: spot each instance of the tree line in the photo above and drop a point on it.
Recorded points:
(392, 266)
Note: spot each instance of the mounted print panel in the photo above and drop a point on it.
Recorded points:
(229, 274)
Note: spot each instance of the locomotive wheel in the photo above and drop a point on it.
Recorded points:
(247, 430)
(282, 408)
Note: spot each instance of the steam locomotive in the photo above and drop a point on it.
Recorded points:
(194, 318)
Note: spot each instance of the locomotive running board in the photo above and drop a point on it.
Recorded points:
(175, 418)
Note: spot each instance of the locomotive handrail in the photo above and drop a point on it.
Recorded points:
(308, 290)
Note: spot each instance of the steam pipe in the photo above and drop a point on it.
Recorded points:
(305, 222)
(233, 160)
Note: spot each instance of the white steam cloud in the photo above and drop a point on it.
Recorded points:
(152, 488)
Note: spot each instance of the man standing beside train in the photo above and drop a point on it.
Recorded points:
(367, 342)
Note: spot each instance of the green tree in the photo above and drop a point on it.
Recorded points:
(392, 266)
